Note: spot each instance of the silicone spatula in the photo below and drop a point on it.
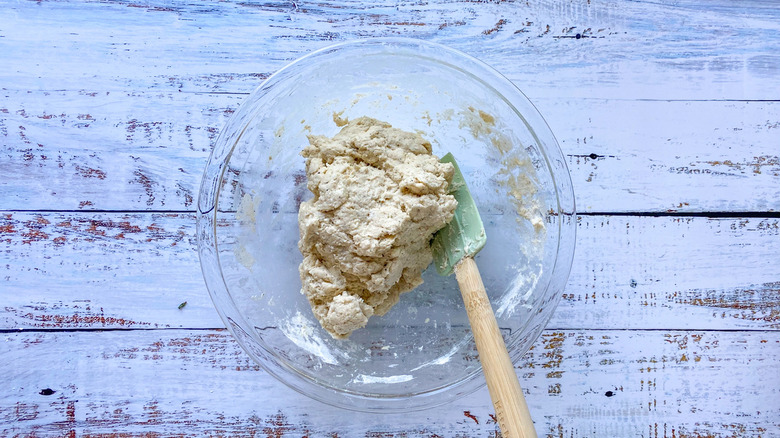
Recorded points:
(454, 248)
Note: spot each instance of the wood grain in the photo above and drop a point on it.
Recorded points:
(669, 327)
(583, 48)
(132, 270)
(649, 272)
(578, 383)
(635, 156)
(511, 409)
(146, 151)
(108, 150)
(102, 271)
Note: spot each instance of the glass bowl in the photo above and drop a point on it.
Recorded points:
(421, 353)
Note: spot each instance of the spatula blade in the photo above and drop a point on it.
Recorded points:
(464, 235)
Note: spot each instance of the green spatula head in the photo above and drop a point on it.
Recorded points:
(464, 236)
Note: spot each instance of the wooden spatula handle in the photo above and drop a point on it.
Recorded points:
(508, 401)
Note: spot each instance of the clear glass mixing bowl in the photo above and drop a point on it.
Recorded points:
(421, 353)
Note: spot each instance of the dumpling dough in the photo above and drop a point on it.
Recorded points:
(379, 196)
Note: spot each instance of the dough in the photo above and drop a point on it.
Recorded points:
(379, 196)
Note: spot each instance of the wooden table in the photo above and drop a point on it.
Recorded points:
(668, 112)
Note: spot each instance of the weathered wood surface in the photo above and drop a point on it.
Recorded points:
(116, 270)
(68, 150)
(661, 50)
(648, 384)
(108, 110)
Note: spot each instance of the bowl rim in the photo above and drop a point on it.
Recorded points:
(210, 191)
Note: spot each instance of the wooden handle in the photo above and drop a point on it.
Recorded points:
(511, 410)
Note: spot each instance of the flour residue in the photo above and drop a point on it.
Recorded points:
(477, 121)
(523, 188)
(441, 360)
(244, 257)
(517, 172)
(245, 212)
(517, 175)
(366, 379)
(338, 120)
(303, 332)
(358, 97)
(509, 302)
(245, 215)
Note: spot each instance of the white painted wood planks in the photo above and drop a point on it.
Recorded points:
(146, 151)
(648, 384)
(666, 50)
(132, 270)
(660, 106)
